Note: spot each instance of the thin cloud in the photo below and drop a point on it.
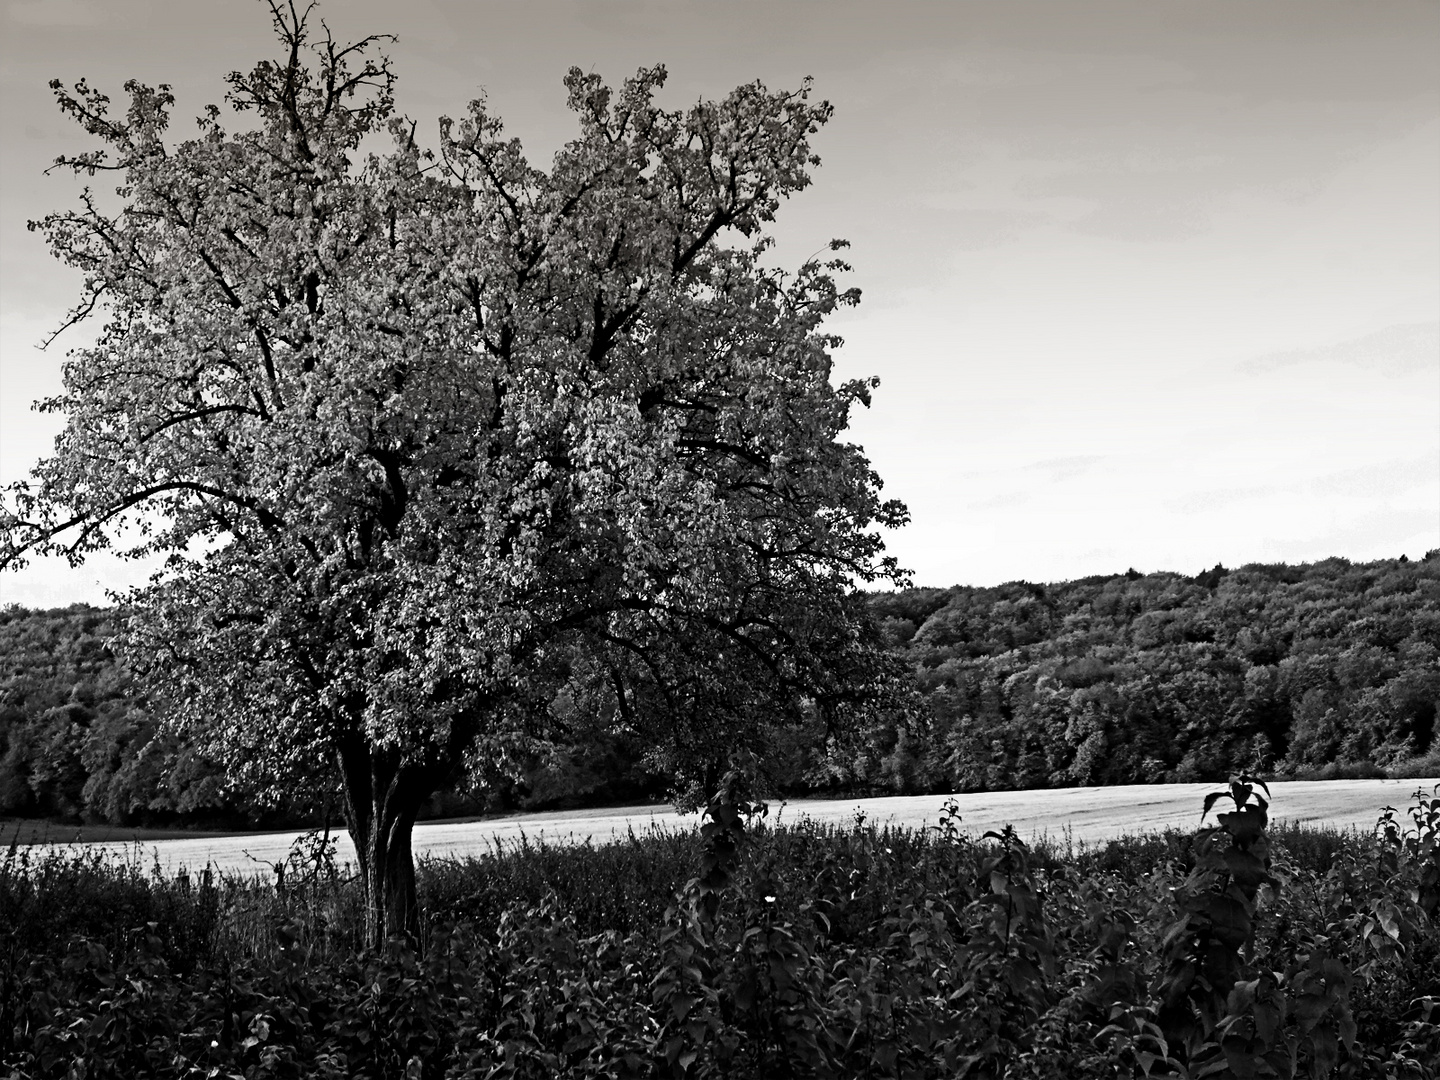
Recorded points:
(1054, 469)
(1065, 468)
(1402, 349)
(57, 13)
(1215, 499)
(1381, 477)
(1000, 502)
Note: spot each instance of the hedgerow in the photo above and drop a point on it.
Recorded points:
(758, 950)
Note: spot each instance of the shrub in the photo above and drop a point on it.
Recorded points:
(757, 950)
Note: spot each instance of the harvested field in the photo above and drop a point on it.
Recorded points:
(1086, 815)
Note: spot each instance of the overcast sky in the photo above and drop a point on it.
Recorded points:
(1147, 285)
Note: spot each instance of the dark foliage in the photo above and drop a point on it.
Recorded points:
(79, 742)
(1330, 670)
(748, 951)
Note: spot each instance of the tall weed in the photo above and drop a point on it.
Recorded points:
(751, 949)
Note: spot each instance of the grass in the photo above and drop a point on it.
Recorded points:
(833, 949)
(51, 896)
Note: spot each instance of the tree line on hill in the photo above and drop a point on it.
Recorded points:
(1326, 669)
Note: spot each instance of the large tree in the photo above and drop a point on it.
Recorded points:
(437, 439)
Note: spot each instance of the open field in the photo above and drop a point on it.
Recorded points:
(1087, 815)
(26, 831)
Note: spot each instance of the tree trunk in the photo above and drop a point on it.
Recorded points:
(382, 800)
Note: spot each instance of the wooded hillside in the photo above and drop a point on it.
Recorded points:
(1324, 669)
(1329, 668)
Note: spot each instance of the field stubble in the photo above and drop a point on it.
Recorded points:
(1083, 815)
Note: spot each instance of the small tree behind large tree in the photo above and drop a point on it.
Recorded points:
(436, 439)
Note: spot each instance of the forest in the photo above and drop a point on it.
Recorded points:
(1323, 670)
(1320, 670)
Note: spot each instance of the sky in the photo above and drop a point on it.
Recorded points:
(1150, 285)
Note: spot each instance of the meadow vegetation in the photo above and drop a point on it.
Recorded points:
(750, 949)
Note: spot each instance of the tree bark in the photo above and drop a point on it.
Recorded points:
(382, 801)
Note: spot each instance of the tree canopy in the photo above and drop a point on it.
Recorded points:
(1299, 671)
(1325, 669)
(440, 442)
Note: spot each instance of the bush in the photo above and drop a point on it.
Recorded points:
(754, 950)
